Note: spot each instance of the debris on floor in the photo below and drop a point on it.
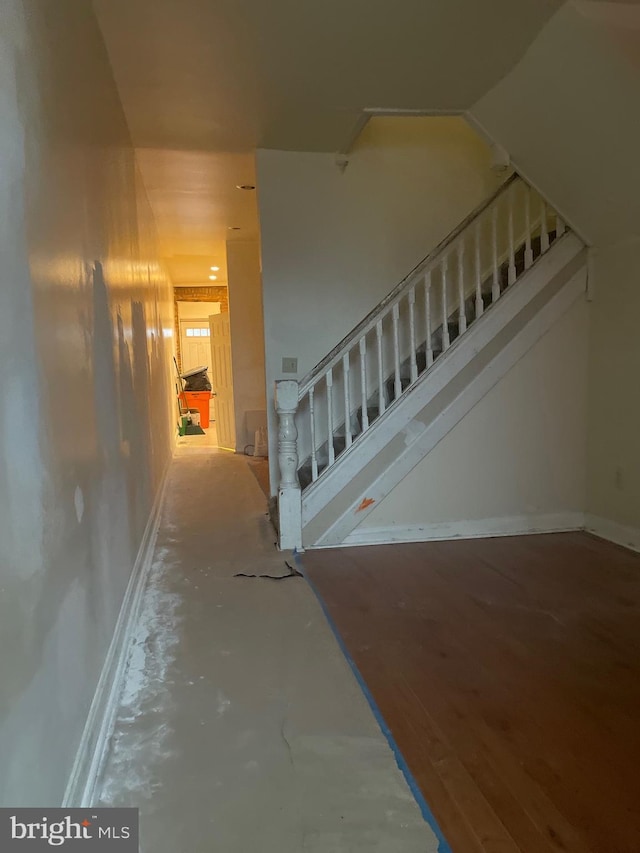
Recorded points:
(292, 573)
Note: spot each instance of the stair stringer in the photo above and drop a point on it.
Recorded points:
(337, 503)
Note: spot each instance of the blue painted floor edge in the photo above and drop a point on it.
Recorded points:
(427, 814)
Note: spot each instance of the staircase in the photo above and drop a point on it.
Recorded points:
(372, 408)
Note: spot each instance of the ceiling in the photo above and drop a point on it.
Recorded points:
(205, 82)
(568, 115)
(196, 203)
(233, 75)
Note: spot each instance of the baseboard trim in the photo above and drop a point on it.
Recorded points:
(620, 534)
(91, 753)
(517, 525)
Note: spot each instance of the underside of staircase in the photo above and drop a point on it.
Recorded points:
(387, 394)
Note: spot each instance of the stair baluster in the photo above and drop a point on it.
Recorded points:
(427, 317)
(495, 288)
(560, 227)
(511, 274)
(446, 341)
(397, 383)
(528, 251)
(462, 315)
(346, 378)
(478, 271)
(381, 400)
(312, 423)
(363, 382)
(330, 435)
(544, 233)
(412, 333)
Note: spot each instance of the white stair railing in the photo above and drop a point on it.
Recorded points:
(381, 359)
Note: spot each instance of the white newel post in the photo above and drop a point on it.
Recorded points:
(289, 494)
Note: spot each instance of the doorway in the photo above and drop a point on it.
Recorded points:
(194, 337)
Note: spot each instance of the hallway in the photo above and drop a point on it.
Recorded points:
(241, 727)
(353, 186)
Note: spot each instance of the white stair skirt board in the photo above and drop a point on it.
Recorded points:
(420, 438)
(516, 525)
(88, 763)
(628, 537)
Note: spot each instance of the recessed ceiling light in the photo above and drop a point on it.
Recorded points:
(213, 277)
(245, 186)
(214, 269)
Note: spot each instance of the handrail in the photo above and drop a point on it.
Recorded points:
(365, 325)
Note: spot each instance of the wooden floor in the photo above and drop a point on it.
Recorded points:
(260, 470)
(509, 673)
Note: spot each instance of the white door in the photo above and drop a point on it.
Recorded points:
(194, 343)
(222, 379)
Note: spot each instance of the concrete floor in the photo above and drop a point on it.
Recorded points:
(241, 728)
(209, 439)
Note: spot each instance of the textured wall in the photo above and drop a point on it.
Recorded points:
(85, 338)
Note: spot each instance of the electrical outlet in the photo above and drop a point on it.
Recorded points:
(289, 365)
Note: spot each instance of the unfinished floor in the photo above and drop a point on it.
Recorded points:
(241, 728)
(509, 673)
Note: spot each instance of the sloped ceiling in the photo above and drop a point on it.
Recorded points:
(569, 115)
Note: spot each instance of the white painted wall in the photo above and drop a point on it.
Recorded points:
(333, 244)
(247, 338)
(86, 319)
(614, 398)
(568, 114)
(519, 454)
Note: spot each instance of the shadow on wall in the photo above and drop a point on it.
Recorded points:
(159, 363)
(105, 394)
(107, 492)
(142, 417)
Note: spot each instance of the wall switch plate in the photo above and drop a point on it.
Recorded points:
(289, 365)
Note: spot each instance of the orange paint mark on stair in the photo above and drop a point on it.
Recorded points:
(365, 503)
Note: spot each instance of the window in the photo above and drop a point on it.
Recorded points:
(198, 333)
